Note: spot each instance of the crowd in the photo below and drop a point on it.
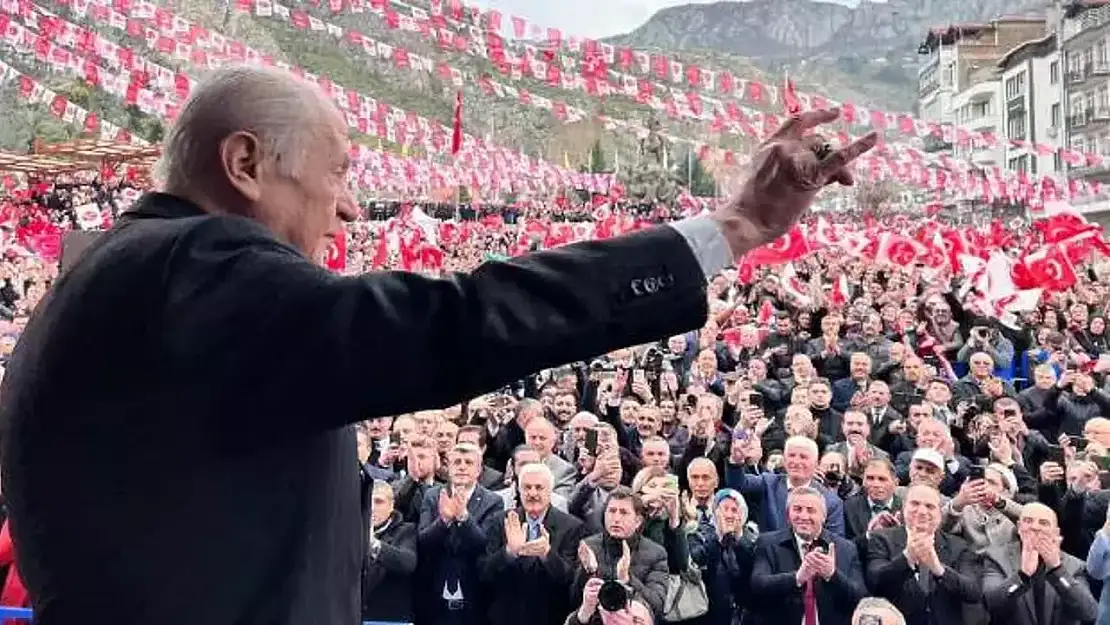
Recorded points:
(890, 449)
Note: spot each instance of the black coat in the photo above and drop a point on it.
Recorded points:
(387, 580)
(531, 590)
(209, 374)
(889, 575)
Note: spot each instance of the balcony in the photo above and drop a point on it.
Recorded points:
(1074, 77)
(983, 122)
(1100, 68)
(1079, 120)
(1099, 114)
(985, 157)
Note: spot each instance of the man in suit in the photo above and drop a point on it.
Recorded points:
(927, 574)
(217, 370)
(387, 573)
(800, 461)
(880, 415)
(455, 525)
(532, 555)
(477, 435)
(421, 468)
(856, 448)
(875, 507)
(542, 435)
(804, 573)
(523, 456)
(1031, 582)
(851, 392)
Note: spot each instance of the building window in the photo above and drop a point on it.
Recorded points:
(1100, 53)
(1015, 127)
(1055, 115)
(1054, 72)
(1057, 162)
(1019, 163)
(1015, 86)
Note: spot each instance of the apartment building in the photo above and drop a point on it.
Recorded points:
(958, 58)
(1031, 111)
(1086, 49)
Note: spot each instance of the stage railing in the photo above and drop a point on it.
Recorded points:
(23, 613)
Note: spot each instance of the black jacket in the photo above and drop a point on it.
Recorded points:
(387, 579)
(209, 374)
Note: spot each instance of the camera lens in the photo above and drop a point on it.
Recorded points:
(612, 596)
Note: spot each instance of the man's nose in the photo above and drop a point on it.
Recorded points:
(347, 208)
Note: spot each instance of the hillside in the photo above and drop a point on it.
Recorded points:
(866, 54)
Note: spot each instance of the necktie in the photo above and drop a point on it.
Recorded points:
(879, 508)
(810, 605)
(925, 580)
(533, 530)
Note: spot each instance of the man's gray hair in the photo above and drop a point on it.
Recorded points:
(540, 469)
(279, 109)
(877, 606)
(802, 491)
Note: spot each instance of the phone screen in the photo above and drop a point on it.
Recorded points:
(1056, 454)
(591, 442)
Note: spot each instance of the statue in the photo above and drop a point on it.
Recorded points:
(650, 180)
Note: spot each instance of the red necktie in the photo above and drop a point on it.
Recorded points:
(810, 605)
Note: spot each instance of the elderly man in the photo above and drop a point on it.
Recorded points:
(532, 555)
(1031, 581)
(800, 461)
(210, 381)
(523, 456)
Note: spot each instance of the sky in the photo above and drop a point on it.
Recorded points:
(594, 18)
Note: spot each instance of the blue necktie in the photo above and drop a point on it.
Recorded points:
(533, 530)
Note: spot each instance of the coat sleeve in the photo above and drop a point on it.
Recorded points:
(1075, 594)
(305, 349)
(1001, 592)
(652, 587)
(400, 557)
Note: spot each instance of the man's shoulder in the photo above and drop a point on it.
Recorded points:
(769, 539)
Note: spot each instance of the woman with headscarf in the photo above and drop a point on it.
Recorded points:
(723, 548)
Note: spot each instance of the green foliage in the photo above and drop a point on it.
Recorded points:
(691, 171)
(597, 159)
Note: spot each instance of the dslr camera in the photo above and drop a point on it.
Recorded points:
(612, 596)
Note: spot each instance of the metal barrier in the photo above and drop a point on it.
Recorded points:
(24, 613)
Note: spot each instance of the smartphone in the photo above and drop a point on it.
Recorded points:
(1079, 442)
(672, 482)
(394, 439)
(819, 544)
(637, 376)
(1102, 462)
(591, 442)
(976, 472)
(755, 400)
(1056, 454)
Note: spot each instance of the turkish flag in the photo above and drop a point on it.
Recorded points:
(789, 247)
(899, 250)
(1048, 268)
(337, 252)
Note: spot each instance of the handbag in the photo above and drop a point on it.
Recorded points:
(686, 596)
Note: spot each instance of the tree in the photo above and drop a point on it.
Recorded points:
(597, 159)
(874, 197)
(691, 171)
(21, 123)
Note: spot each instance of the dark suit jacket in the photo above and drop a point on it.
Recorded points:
(780, 598)
(889, 575)
(528, 589)
(453, 550)
(208, 373)
(387, 580)
(1006, 591)
(857, 516)
(771, 489)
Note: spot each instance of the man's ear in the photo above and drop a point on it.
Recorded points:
(240, 159)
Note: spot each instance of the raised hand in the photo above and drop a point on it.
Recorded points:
(624, 565)
(514, 533)
(587, 558)
(539, 547)
(447, 509)
(784, 177)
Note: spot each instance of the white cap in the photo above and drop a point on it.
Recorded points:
(931, 456)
